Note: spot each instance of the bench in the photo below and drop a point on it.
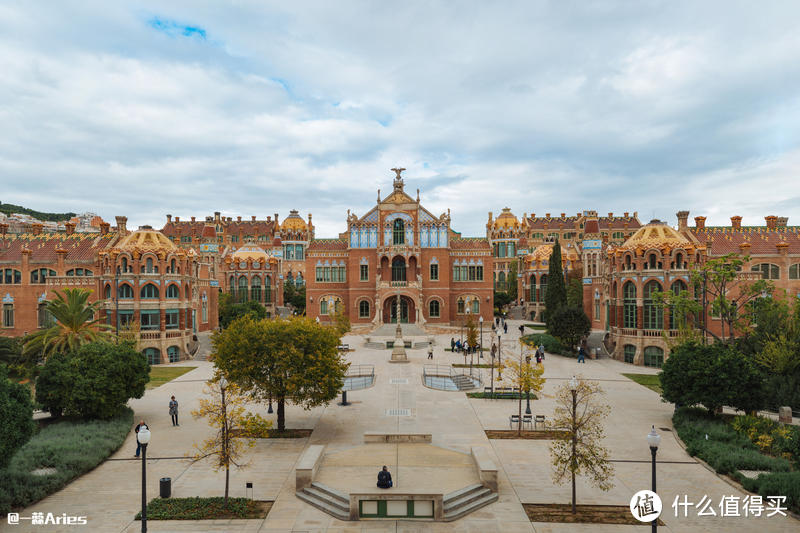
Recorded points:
(540, 420)
(343, 347)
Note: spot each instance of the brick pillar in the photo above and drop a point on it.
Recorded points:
(163, 319)
(181, 318)
(639, 316)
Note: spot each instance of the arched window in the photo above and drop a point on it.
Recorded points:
(630, 353)
(241, 293)
(433, 309)
(107, 292)
(398, 232)
(398, 269)
(653, 311)
(40, 275)
(678, 286)
(501, 281)
(153, 356)
(267, 289)
(652, 262)
(768, 271)
(323, 307)
(149, 291)
(173, 291)
(125, 264)
(363, 309)
(627, 265)
(476, 306)
(46, 319)
(204, 312)
(542, 286)
(125, 291)
(172, 267)
(298, 281)
(149, 268)
(679, 261)
(255, 289)
(794, 271)
(174, 354)
(532, 286)
(9, 276)
(629, 305)
(653, 356)
(460, 306)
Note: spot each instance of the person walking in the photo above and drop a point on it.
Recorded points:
(541, 350)
(430, 352)
(452, 344)
(505, 327)
(581, 355)
(173, 411)
(384, 478)
(140, 425)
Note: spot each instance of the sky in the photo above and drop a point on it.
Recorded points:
(254, 108)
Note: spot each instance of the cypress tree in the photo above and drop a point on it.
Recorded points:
(555, 296)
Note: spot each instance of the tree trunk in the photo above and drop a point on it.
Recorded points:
(281, 414)
(227, 483)
(519, 427)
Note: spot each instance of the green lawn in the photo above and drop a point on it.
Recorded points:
(162, 374)
(648, 380)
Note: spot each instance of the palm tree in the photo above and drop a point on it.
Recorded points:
(75, 325)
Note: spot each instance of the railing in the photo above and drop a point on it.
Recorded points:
(628, 332)
(360, 370)
(174, 334)
(447, 371)
(674, 332)
(358, 377)
(150, 335)
(70, 280)
(652, 332)
(399, 284)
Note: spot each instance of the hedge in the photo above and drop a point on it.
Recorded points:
(200, 508)
(775, 484)
(551, 344)
(72, 448)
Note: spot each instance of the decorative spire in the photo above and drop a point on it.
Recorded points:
(398, 180)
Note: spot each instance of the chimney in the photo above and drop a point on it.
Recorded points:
(736, 222)
(230, 219)
(683, 216)
(104, 227)
(177, 219)
(490, 217)
(253, 218)
(61, 256)
(771, 221)
(783, 222)
(269, 218)
(276, 219)
(192, 219)
(611, 214)
(783, 247)
(563, 215)
(547, 215)
(700, 222)
(626, 214)
(309, 219)
(238, 219)
(216, 216)
(69, 227)
(635, 214)
(169, 219)
(3, 229)
(122, 223)
(36, 228)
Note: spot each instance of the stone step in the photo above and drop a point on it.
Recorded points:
(335, 493)
(323, 505)
(334, 502)
(471, 507)
(466, 499)
(461, 492)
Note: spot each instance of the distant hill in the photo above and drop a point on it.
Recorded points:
(9, 209)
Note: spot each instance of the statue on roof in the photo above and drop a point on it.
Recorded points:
(398, 180)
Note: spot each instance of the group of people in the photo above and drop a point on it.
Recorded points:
(458, 346)
(173, 413)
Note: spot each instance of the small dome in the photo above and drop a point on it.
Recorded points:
(506, 219)
(544, 251)
(250, 251)
(655, 234)
(294, 222)
(147, 239)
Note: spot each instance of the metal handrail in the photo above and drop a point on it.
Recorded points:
(360, 370)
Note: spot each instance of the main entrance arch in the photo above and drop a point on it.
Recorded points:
(407, 310)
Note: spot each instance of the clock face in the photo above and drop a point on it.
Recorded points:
(243, 264)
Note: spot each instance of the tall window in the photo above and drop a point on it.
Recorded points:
(323, 307)
(460, 306)
(532, 285)
(107, 292)
(40, 275)
(153, 356)
(268, 289)
(476, 306)
(653, 356)
(653, 312)
(794, 271)
(501, 249)
(501, 281)
(398, 232)
(125, 291)
(150, 319)
(149, 291)
(629, 305)
(364, 272)
(173, 352)
(768, 271)
(241, 295)
(434, 272)
(298, 252)
(204, 312)
(398, 268)
(8, 315)
(677, 287)
(173, 291)
(433, 309)
(46, 319)
(255, 289)
(542, 287)
(172, 319)
(630, 353)
(125, 267)
(363, 309)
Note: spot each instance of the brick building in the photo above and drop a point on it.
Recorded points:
(399, 249)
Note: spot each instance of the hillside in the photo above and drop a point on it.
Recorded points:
(50, 217)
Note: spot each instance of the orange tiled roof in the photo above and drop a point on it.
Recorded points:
(762, 240)
(82, 247)
(327, 244)
(247, 227)
(470, 243)
(605, 223)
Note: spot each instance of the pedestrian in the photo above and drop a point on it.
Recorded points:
(538, 358)
(384, 478)
(173, 411)
(140, 425)
(505, 327)
(497, 321)
(430, 352)
(541, 350)
(581, 355)
(452, 344)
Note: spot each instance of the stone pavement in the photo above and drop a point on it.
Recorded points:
(110, 495)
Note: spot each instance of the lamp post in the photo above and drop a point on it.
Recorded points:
(470, 350)
(143, 436)
(480, 355)
(573, 387)
(499, 356)
(116, 301)
(528, 388)
(223, 384)
(494, 349)
(269, 409)
(653, 440)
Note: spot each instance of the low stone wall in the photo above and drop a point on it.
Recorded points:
(437, 499)
(308, 465)
(395, 438)
(487, 470)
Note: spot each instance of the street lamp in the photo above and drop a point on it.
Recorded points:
(654, 439)
(573, 387)
(143, 437)
(470, 350)
(480, 320)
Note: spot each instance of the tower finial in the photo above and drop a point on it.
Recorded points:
(398, 180)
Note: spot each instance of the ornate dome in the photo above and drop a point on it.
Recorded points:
(544, 251)
(655, 234)
(147, 239)
(250, 251)
(294, 222)
(506, 220)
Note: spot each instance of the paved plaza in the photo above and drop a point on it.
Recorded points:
(110, 495)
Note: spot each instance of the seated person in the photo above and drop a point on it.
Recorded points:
(384, 479)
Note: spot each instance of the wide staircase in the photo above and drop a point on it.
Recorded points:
(204, 346)
(516, 312)
(463, 382)
(595, 340)
(327, 499)
(466, 500)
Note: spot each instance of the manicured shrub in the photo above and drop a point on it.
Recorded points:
(16, 416)
(199, 508)
(72, 448)
(776, 484)
(550, 343)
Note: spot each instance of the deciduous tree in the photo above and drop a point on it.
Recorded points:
(16, 417)
(569, 325)
(525, 376)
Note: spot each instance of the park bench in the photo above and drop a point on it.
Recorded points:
(344, 348)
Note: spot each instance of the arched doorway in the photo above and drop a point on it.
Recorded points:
(408, 313)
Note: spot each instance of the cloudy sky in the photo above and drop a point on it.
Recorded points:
(251, 108)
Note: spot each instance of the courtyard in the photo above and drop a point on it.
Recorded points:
(110, 496)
